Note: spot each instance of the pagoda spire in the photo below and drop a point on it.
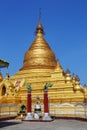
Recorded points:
(39, 28)
(39, 55)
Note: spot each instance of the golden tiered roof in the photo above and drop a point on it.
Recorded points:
(39, 55)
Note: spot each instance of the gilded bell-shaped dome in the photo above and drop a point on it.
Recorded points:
(39, 55)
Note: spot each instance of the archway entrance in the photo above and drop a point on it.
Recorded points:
(3, 90)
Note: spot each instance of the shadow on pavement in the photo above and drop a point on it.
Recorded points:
(6, 123)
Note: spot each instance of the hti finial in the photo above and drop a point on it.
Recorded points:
(39, 28)
(39, 14)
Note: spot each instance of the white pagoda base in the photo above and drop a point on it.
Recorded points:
(29, 117)
(46, 117)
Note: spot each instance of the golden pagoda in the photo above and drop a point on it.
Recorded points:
(40, 66)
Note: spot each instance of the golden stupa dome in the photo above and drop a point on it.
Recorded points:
(39, 55)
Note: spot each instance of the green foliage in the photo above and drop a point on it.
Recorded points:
(22, 108)
(47, 86)
(28, 86)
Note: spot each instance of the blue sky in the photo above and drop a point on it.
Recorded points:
(65, 25)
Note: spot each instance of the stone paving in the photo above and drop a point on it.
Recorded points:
(59, 124)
